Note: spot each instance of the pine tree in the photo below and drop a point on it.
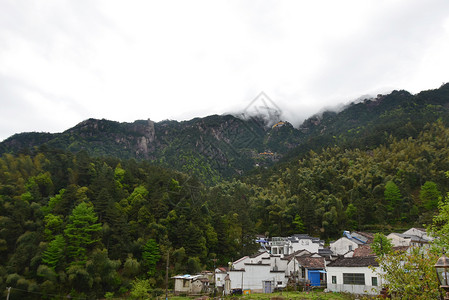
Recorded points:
(80, 232)
(151, 256)
(55, 251)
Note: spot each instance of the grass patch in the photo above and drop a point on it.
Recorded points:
(283, 296)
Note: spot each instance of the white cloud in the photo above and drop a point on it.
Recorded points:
(180, 59)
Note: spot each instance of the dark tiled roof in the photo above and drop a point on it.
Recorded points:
(298, 253)
(258, 254)
(311, 262)
(363, 251)
(325, 252)
(355, 262)
(400, 248)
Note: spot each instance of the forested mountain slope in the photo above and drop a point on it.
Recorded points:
(90, 223)
(211, 148)
(370, 122)
(71, 223)
(219, 147)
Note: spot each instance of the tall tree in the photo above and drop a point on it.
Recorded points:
(429, 195)
(55, 252)
(381, 245)
(393, 197)
(150, 256)
(81, 232)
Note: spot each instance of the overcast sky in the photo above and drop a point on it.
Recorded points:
(62, 62)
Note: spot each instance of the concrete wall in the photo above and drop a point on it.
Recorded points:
(180, 288)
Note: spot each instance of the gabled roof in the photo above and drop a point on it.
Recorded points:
(187, 277)
(413, 238)
(298, 253)
(325, 252)
(305, 237)
(241, 259)
(354, 262)
(311, 262)
(221, 270)
(401, 248)
(363, 251)
(369, 236)
(258, 254)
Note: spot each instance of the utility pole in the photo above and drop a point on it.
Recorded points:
(9, 292)
(166, 274)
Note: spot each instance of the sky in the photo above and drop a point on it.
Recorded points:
(64, 61)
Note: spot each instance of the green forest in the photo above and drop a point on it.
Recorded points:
(92, 227)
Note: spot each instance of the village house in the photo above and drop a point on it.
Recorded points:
(220, 276)
(306, 269)
(355, 275)
(419, 232)
(191, 284)
(260, 273)
(414, 237)
(291, 244)
(349, 242)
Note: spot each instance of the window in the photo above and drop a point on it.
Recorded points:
(185, 283)
(354, 278)
(279, 282)
(350, 247)
(334, 279)
(374, 281)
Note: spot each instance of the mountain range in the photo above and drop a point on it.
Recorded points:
(221, 146)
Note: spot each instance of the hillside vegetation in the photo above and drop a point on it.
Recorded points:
(86, 225)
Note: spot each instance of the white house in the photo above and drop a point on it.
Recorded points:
(259, 274)
(401, 239)
(419, 232)
(279, 245)
(354, 275)
(344, 245)
(220, 275)
(305, 242)
(291, 244)
(348, 243)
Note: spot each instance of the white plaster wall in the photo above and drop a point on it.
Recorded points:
(280, 263)
(253, 277)
(292, 266)
(240, 263)
(353, 289)
(419, 233)
(236, 279)
(341, 246)
(220, 279)
(257, 259)
(306, 244)
(397, 240)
